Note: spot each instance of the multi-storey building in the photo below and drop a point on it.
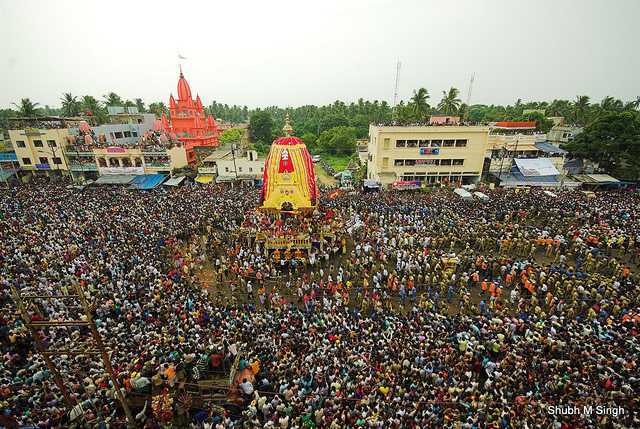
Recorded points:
(426, 153)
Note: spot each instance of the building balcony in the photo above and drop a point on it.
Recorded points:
(157, 164)
(155, 152)
(72, 151)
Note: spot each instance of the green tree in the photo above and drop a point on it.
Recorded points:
(580, 109)
(261, 127)
(232, 135)
(450, 101)
(140, 105)
(157, 108)
(27, 107)
(613, 140)
(338, 141)
(113, 99)
(419, 102)
(70, 104)
(309, 140)
(94, 108)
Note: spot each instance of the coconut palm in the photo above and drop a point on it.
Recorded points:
(611, 104)
(450, 102)
(419, 102)
(140, 105)
(27, 107)
(580, 109)
(113, 99)
(70, 104)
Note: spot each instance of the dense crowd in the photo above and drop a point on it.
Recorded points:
(419, 310)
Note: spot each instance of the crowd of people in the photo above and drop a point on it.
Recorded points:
(420, 310)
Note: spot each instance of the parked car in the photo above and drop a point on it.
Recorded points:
(316, 158)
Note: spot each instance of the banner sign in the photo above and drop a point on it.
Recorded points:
(43, 166)
(429, 151)
(115, 149)
(121, 170)
(403, 185)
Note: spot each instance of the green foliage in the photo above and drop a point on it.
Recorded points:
(140, 105)
(70, 104)
(97, 110)
(235, 114)
(261, 127)
(338, 141)
(613, 140)
(337, 162)
(231, 135)
(310, 140)
(113, 99)
(450, 102)
(27, 107)
(419, 103)
(158, 108)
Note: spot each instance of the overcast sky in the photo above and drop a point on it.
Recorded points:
(291, 53)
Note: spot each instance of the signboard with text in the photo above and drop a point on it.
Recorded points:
(429, 151)
(116, 149)
(121, 170)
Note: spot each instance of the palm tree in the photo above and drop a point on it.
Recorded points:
(140, 105)
(419, 102)
(94, 107)
(70, 104)
(632, 105)
(113, 99)
(580, 108)
(450, 101)
(27, 107)
(610, 104)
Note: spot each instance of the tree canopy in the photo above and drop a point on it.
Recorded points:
(613, 140)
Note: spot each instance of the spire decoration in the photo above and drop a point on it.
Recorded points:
(287, 128)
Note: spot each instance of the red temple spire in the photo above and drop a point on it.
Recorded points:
(165, 123)
(184, 91)
(172, 102)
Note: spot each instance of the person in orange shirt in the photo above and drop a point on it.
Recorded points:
(492, 289)
(483, 286)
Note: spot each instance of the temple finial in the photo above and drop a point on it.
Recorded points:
(180, 65)
(288, 129)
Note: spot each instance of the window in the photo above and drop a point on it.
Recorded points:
(37, 143)
(461, 143)
(386, 144)
(226, 169)
(261, 169)
(138, 162)
(26, 161)
(436, 143)
(51, 143)
(250, 170)
(401, 143)
(126, 162)
(20, 143)
(118, 134)
(398, 162)
(44, 160)
(240, 169)
(409, 162)
(102, 162)
(445, 162)
(370, 157)
(385, 162)
(448, 143)
(412, 143)
(56, 160)
(134, 134)
(458, 162)
(127, 134)
(423, 143)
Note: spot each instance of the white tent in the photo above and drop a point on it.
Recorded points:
(481, 196)
(463, 193)
(536, 167)
(550, 194)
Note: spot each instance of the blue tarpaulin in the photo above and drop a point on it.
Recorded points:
(147, 181)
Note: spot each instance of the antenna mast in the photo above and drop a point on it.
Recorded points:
(395, 91)
(466, 112)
